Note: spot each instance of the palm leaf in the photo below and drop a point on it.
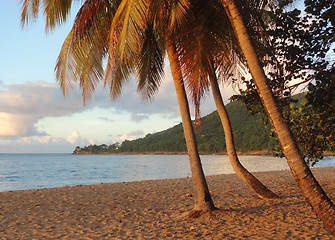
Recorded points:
(151, 63)
(124, 43)
(29, 10)
(82, 54)
(64, 69)
(131, 17)
(55, 12)
(178, 10)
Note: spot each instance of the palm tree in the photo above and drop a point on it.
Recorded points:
(241, 171)
(203, 201)
(208, 41)
(121, 32)
(309, 186)
(121, 66)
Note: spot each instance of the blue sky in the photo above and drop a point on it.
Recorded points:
(34, 115)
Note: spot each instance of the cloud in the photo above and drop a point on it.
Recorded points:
(45, 140)
(18, 125)
(23, 105)
(164, 102)
(136, 133)
(127, 136)
(106, 119)
(76, 139)
(73, 138)
(45, 144)
(138, 117)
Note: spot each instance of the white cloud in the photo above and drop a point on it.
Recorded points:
(25, 140)
(26, 109)
(17, 125)
(73, 138)
(35, 144)
(46, 140)
(125, 137)
(23, 105)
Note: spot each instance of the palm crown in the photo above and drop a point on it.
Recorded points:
(131, 36)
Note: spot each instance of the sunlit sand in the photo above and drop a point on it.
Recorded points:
(153, 210)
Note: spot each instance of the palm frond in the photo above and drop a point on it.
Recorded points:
(86, 17)
(55, 12)
(64, 69)
(82, 54)
(115, 75)
(206, 46)
(29, 11)
(151, 63)
(178, 11)
(89, 71)
(132, 14)
(125, 36)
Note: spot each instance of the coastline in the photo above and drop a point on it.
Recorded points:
(152, 210)
(265, 153)
(262, 152)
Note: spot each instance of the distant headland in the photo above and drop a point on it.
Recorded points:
(251, 137)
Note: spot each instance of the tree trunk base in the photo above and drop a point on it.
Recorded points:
(268, 196)
(198, 215)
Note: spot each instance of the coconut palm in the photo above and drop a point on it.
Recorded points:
(122, 64)
(158, 32)
(207, 46)
(203, 201)
(162, 25)
(309, 186)
(121, 32)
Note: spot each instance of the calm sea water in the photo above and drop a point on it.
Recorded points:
(30, 171)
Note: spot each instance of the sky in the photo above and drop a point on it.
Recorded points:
(36, 118)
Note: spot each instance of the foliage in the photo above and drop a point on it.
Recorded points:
(302, 45)
(312, 130)
(97, 149)
(250, 135)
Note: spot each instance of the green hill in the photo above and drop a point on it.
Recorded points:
(249, 133)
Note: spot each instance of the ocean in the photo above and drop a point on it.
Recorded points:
(32, 171)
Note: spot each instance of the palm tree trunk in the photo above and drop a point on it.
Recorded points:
(261, 190)
(202, 197)
(309, 186)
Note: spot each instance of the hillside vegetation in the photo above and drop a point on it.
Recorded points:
(249, 132)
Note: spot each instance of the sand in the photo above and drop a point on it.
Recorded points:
(153, 210)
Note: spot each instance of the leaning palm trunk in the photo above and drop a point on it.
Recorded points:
(202, 197)
(309, 186)
(261, 190)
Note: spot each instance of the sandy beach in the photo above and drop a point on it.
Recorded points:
(153, 210)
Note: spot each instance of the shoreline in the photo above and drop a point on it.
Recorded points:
(152, 209)
(265, 153)
(261, 153)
